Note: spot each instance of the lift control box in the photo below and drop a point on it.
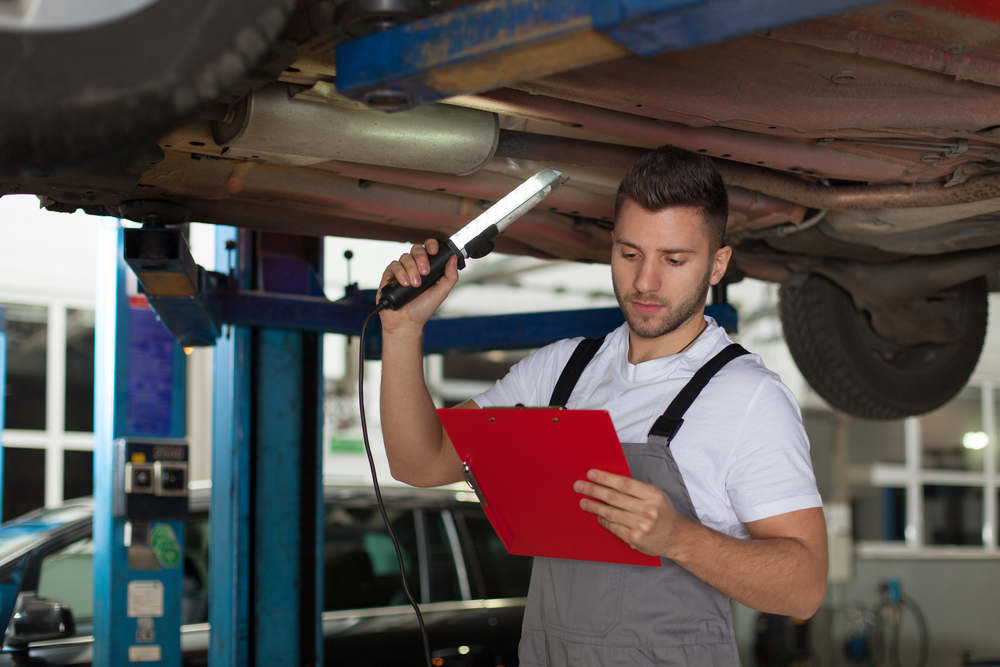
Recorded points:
(151, 479)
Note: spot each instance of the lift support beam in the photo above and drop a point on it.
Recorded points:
(267, 491)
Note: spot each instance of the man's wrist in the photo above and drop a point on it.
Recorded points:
(683, 540)
(403, 332)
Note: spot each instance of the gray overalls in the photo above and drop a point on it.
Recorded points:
(588, 614)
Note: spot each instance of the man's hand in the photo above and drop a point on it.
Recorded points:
(640, 514)
(781, 570)
(409, 271)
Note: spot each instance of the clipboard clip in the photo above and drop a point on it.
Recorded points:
(471, 479)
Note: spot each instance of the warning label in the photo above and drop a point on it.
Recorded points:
(145, 653)
(145, 599)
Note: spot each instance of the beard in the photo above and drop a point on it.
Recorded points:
(650, 326)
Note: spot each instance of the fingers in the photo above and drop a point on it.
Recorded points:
(628, 508)
(618, 515)
(410, 268)
(626, 485)
(628, 527)
(617, 490)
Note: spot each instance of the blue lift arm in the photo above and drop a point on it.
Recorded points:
(258, 309)
(211, 300)
(487, 45)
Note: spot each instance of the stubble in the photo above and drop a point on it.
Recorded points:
(652, 326)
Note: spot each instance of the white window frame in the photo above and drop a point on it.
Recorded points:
(913, 477)
(55, 440)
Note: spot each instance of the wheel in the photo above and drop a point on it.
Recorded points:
(84, 92)
(859, 372)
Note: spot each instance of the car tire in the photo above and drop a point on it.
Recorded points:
(76, 96)
(830, 340)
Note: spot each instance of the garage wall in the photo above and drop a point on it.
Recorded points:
(958, 598)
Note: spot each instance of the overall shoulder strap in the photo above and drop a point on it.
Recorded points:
(670, 421)
(584, 352)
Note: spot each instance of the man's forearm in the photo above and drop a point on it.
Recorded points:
(414, 438)
(779, 575)
(781, 570)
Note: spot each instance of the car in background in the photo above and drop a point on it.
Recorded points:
(471, 591)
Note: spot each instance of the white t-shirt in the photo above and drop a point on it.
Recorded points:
(742, 450)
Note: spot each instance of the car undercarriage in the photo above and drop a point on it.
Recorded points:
(860, 147)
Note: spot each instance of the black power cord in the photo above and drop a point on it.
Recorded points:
(378, 494)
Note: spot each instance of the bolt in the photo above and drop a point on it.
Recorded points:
(953, 49)
(844, 76)
(387, 100)
(930, 158)
(899, 16)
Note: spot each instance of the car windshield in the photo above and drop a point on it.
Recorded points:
(16, 534)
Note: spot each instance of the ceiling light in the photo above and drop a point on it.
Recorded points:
(975, 440)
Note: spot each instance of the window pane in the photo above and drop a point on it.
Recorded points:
(23, 481)
(504, 575)
(953, 515)
(878, 513)
(67, 575)
(27, 339)
(78, 474)
(360, 562)
(950, 433)
(876, 441)
(442, 578)
(79, 370)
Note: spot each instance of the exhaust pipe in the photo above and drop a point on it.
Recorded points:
(269, 126)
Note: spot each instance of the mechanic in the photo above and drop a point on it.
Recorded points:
(729, 503)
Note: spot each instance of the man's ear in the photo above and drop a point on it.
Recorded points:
(720, 263)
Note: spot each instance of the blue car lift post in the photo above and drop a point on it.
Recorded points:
(140, 383)
(266, 579)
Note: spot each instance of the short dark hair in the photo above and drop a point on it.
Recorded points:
(672, 177)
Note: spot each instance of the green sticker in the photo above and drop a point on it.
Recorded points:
(165, 545)
(346, 446)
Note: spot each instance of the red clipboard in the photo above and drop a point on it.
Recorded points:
(522, 464)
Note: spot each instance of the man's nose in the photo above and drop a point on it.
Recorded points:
(647, 278)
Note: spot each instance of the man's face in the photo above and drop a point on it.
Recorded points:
(662, 267)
